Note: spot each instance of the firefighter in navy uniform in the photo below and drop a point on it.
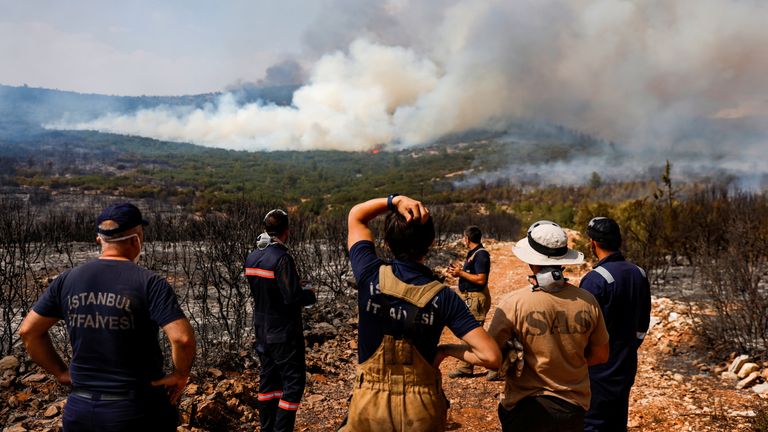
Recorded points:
(473, 287)
(623, 292)
(278, 299)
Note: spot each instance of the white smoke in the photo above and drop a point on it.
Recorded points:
(647, 74)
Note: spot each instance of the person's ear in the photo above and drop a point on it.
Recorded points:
(98, 240)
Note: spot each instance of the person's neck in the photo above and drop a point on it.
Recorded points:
(602, 253)
(114, 255)
(473, 245)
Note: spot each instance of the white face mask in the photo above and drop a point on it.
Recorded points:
(549, 280)
(112, 240)
(138, 255)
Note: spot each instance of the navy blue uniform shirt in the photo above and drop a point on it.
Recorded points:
(624, 294)
(277, 295)
(113, 311)
(480, 264)
(446, 309)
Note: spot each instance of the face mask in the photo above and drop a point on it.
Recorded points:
(138, 255)
(264, 241)
(549, 280)
(112, 240)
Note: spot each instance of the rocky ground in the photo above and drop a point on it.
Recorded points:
(679, 385)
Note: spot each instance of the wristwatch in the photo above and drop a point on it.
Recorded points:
(390, 205)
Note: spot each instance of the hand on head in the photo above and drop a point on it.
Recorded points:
(411, 209)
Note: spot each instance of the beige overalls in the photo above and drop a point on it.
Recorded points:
(396, 389)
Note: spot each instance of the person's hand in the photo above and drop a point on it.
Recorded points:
(454, 270)
(174, 384)
(64, 378)
(411, 209)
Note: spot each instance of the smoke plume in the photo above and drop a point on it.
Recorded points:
(671, 77)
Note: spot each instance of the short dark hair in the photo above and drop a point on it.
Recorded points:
(473, 233)
(408, 241)
(610, 246)
(276, 222)
(605, 232)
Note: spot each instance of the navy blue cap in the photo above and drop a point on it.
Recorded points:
(604, 230)
(125, 215)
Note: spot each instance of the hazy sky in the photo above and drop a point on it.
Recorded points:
(148, 47)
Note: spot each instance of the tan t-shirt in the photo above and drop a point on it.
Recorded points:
(555, 330)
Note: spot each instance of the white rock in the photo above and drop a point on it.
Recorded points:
(729, 376)
(761, 388)
(654, 320)
(737, 363)
(673, 316)
(747, 413)
(747, 369)
(748, 381)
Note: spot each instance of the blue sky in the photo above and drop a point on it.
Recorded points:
(148, 47)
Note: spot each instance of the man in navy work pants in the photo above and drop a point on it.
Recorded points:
(278, 299)
(623, 291)
(113, 310)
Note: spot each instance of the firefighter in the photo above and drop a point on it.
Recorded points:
(561, 331)
(473, 287)
(624, 294)
(403, 310)
(278, 299)
(113, 309)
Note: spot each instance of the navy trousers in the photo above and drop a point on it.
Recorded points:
(542, 414)
(611, 384)
(146, 412)
(282, 379)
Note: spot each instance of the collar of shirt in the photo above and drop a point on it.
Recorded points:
(616, 256)
(411, 272)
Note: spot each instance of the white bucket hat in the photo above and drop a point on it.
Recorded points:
(546, 244)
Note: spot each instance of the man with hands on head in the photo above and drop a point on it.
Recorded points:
(403, 310)
(113, 310)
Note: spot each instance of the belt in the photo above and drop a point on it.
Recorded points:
(98, 396)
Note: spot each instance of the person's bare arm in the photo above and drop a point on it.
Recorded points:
(479, 350)
(597, 355)
(37, 341)
(182, 339)
(477, 279)
(362, 214)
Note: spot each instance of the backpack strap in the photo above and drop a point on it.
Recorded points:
(472, 257)
(417, 295)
